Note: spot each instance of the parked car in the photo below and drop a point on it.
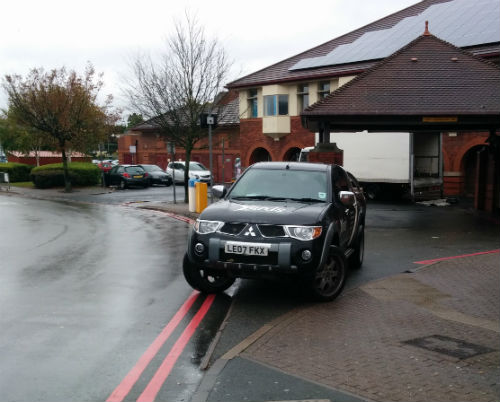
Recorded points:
(157, 175)
(104, 166)
(125, 176)
(304, 220)
(196, 171)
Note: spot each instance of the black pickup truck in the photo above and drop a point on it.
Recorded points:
(280, 218)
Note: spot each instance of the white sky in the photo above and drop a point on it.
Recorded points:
(108, 33)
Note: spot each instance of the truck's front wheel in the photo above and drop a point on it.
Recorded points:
(200, 280)
(329, 279)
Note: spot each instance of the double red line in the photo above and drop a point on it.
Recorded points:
(152, 389)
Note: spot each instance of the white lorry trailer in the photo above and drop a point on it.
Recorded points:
(392, 164)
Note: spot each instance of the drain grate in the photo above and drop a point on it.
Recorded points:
(449, 346)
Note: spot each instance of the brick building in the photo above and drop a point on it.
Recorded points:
(272, 99)
(151, 148)
(267, 123)
(44, 157)
(423, 65)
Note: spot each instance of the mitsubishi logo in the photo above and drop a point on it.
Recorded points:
(249, 232)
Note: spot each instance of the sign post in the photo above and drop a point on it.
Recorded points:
(210, 122)
(171, 150)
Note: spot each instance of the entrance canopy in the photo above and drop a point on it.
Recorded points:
(428, 85)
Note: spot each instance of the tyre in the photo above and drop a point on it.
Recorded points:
(356, 259)
(123, 184)
(329, 279)
(197, 277)
(372, 191)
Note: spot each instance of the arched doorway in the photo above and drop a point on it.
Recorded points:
(260, 155)
(469, 168)
(292, 155)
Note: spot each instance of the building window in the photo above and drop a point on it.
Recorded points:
(276, 105)
(323, 89)
(252, 102)
(303, 94)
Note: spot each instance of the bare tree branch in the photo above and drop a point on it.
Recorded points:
(174, 92)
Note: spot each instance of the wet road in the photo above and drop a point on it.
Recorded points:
(90, 288)
(85, 290)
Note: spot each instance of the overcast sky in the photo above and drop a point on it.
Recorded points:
(108, 33)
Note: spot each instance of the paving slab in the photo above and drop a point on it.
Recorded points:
(432, 334)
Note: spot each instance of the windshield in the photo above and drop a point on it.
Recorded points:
(152, 168)
(134, 169)
(196, 166)
(300, 185)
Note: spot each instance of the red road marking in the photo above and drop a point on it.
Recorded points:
(180, 217)
(457, 256)
(131, 378)
(150, 392)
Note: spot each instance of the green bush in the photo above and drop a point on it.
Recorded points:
(17, 171)
(80, 174)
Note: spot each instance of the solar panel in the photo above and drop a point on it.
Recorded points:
(460, 22)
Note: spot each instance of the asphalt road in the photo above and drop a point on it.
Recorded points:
(85, 291)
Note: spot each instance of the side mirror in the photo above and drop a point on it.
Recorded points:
(347, 198)
(219, 191)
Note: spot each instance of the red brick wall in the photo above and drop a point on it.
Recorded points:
(151, 149)
(454, 149)
(251, 138)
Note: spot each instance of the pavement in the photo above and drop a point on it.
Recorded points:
(432, 334)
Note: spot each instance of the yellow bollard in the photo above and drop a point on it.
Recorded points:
(201, 196)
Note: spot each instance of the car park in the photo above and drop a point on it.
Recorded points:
(196, 171)
(157, 175)
(304, 220)
(125, 176)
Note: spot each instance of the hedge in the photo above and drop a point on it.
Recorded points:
(80, 174)
(17, 171)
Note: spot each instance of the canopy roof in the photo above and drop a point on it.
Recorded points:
(469, 24)
(429, 84)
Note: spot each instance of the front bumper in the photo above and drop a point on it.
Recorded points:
(284, 256)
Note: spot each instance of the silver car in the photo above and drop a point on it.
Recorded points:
(196, 171)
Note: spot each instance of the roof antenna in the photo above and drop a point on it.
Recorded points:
(426, 32)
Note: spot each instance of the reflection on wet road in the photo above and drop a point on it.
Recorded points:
(84, 291)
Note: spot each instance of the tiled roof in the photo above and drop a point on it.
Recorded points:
(280, 72)
(227, 110)
(426, 77)
(45, 154)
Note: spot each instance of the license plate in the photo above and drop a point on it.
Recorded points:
(234, 247)
(137, 177)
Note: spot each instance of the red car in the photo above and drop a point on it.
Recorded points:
(105, 166)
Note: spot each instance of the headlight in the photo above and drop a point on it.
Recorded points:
(303, 232)
(204, 227)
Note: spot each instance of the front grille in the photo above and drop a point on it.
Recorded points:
(232, 228)
(272, 230)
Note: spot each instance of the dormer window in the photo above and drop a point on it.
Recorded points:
(252, 103)
(323, 89)
(303, 96)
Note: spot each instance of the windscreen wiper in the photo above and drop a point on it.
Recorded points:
(259, 197)
(305, 199)
(250, 197)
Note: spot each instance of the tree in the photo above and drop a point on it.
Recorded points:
(183, 84)
(63, 105)
(15, 137)
(134, 119)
